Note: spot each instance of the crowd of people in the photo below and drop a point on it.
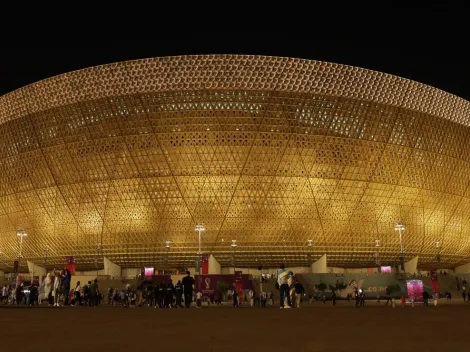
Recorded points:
(56, 291)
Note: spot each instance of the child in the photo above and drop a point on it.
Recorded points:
(198, 299)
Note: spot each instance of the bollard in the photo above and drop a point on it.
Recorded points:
(393, 302)
(412, 302)
(435, 301)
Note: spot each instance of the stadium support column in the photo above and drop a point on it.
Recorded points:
(320, 266)
(111, 269)
(214, 266)
(411, 267)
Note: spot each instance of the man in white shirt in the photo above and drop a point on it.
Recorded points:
(283, 277)
(251, 298)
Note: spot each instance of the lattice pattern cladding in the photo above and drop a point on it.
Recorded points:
(271, 152)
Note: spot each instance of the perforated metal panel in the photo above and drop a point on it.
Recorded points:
(270, 152)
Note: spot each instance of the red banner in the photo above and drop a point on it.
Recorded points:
(239, 289)
(435, 287)
(205, 265)
(71, 268)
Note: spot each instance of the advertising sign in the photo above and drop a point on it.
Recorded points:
(149, 271)
(414, 290)
(386, 269)
(212, 284)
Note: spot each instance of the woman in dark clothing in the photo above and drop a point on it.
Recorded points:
(235, 299)
(66, 286)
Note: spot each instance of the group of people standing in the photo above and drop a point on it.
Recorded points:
(160, 295)
(57, 288)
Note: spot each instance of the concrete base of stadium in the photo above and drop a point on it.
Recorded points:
(315, 327)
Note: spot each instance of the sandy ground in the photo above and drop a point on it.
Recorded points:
(315, 327)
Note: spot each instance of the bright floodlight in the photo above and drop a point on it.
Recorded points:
(21, 233)
(309, 243)
(200, 228)
(234, 243)
(377, 243)
(167, 244)
(438, 244)
(399, 227)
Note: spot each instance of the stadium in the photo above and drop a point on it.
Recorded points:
(282, 160)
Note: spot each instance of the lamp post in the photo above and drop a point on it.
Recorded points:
(400, 228)
(377, 258)
(199, 229)
(234, 246)
(44, 261)
(167, 246)
(310, 255)
(21, 234)
(438, 257)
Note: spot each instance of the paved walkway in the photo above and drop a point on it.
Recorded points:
(315, 327)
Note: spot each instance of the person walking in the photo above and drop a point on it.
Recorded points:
(76, 299)
(188, 286)
(389, 296)
(333, 299)
(198, 300)
(263, 299)
(94, 293)
(236, 301)
(66, 286)
(282, 280)
(363, 298)
(425, 298)
(178, 294)
(251, 298)
(299, 292)
(48, 289)
(57, 288)
(170, 291)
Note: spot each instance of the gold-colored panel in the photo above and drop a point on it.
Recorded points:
(270, 152)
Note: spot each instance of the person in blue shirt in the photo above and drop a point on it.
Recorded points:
(282, 279)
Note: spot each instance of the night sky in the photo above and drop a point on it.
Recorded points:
(430, 45)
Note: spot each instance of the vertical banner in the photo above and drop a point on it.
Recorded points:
(238, 276)
(205, 265)
(16, 265)
(434, 282)
(239, 289)
(70, 264)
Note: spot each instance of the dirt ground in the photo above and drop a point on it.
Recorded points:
(315, 327)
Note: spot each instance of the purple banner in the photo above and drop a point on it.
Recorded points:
(214, 284)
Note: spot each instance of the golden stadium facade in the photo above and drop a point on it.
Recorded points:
(271, 152)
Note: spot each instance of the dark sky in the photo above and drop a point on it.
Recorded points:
(429, 45)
